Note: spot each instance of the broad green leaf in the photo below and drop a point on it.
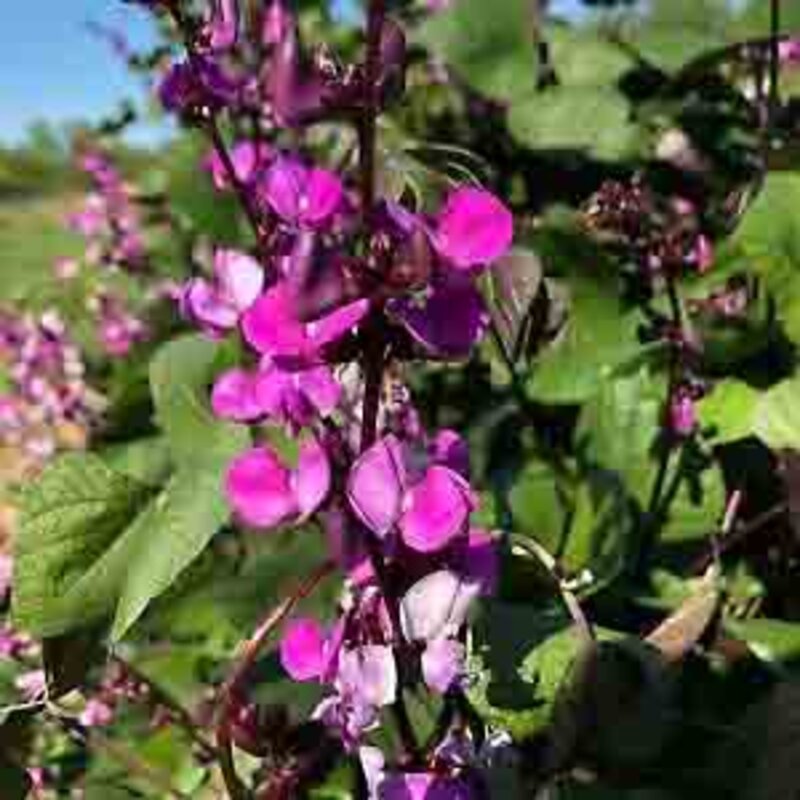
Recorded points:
(519, 657)
(70, 559)
(618, 430)
(774, 641)
(734, 410)
(14, 780)
(595, 119)
(599, 338)
(488, 44)
(769, 237)
(169, 535)
(180, 377)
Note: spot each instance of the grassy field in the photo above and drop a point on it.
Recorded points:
(32, 237)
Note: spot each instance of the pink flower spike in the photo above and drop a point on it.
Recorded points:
(301, 196)
(473, 229)
(369, 673)
(258, 488)
(234, 396)
(376, 485)
(312, 479)
(203, 302)
(451, 450)
(240, 278)
(302, 650)
(96, 714)
(443, 664)
(436, 510)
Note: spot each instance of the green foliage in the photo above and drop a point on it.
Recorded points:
(96, 543)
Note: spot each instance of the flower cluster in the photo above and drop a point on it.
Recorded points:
(341, 287)
(48, 401)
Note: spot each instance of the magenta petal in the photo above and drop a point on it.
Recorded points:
(258, 488)
(450, 321)
(322, 197)
(333, 326)
(207, 306)
(376, 485)
(321, 388)
(443, 664)
(302, 649)
(473, 228)
(240, 277)
(271, 327)
(436, 510)
(480, 561)
(312, 480)
(284, 187)
(234, 396)
(407, 786)
(271, 385)
(436, 606)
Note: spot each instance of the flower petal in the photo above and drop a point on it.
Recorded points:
(443, 664)
(473, 228)
(436, 606)
(436, 510)
(333, 326)
(258, 488)
(321, 388)
(312, 479)
(240, 277)
(302, 649)
(376, 484)
(234, 396)
(271, 326)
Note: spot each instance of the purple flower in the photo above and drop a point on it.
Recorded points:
(473, 229)
(188, 87)
(448, 320)
(682, 412)
(303, 197)
(298, 396)
(436, 606)
(248, 159)
(265, 493)
(234, 396)
(96, 714)
(221, 28)
(302, 650)
(272, 327)
(789, 52)
(443, 664)
(430, 508)
(276, 23)
(423, 786)
(217, 306)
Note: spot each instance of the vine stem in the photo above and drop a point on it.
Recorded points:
(245, 660)
(212, 129)
(373, 336)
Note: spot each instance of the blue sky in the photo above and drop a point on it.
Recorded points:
(54, 68)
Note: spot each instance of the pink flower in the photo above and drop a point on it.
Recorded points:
(789, 52)
(218, 305)
(302, 650)
(682, 413)
(96, 714)
(271, 326)
(443, 664)
(473, 229)
(303, 197)
(33, 684)
(247, 157)
(265, 493)
(276, 23)
(429, 507)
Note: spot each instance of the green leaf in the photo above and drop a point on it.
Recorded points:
(595, 119)
(772, 640)
(734, 410)
(92, 547)
(488, 44)
(169, 535)
(69, 556)
(769, 238)
(618, 430)
(180, 375)
(14, 780)
(598, 340)
(519, 657)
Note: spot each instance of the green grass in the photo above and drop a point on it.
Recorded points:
(32, 237)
